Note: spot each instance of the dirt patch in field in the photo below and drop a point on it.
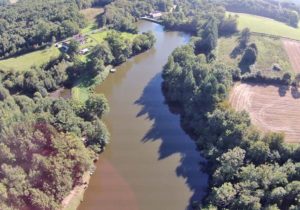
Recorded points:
(292, 48)
(270, 108)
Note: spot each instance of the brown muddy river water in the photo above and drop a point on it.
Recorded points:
(150, 163)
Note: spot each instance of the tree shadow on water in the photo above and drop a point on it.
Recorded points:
(166, 128)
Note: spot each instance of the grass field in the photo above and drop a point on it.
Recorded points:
(270, 51)
(24, 62)
(266, 25)
(91, 15)
(85, 86)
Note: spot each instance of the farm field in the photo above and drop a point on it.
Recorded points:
(266, 25)
(270, 51)
(24, 62)
(292, 49)
(269, 108)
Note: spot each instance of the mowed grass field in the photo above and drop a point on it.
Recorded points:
(266, 25)
(271, 108)
(26, 61)
(270, 51)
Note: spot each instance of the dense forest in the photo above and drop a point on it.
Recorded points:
(46, 146)
(31, 24)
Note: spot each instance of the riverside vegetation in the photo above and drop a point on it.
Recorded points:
(47, 144)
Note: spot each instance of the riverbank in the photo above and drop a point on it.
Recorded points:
(149, 151)
(73, 200)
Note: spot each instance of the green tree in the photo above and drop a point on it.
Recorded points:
(96, 106)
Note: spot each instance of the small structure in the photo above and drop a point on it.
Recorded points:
(173, 8)
(84, 51)
(155, 14)
(58, 45)
(276, 67)
(64, 47)
(79, 38)
(113, 70)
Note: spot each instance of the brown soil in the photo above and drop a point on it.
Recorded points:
(270, 108)
(293, 50)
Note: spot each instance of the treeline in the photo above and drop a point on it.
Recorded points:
(46, 146)
(122, 14)
(284, 12)
(30, 24)
(248, 169)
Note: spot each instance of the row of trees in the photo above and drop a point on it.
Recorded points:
(28, 25)
(249, 170)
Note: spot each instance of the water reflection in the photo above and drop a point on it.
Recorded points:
(166, 129)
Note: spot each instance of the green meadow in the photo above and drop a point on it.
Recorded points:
(26, 61)
(270, 51)
(266, 25)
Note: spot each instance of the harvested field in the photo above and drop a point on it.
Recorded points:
(270, 108)
(292, 48)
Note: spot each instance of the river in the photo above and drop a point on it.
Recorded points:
(150, 163)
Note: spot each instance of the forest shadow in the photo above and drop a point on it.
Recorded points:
(236, 52)
(166, 129)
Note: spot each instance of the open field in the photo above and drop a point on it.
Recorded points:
(266, 25)
(270, 51)
(292, 49)
(270, 108)
(36, 58)
(91, 13)
(85, 86)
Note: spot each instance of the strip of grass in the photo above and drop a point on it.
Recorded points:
(85, 86)
(24, 62)
(266, 25)
(270, 51)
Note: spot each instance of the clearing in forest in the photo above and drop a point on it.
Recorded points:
(266, 25)
(271, 108)
(26, 61)
(292, 48)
